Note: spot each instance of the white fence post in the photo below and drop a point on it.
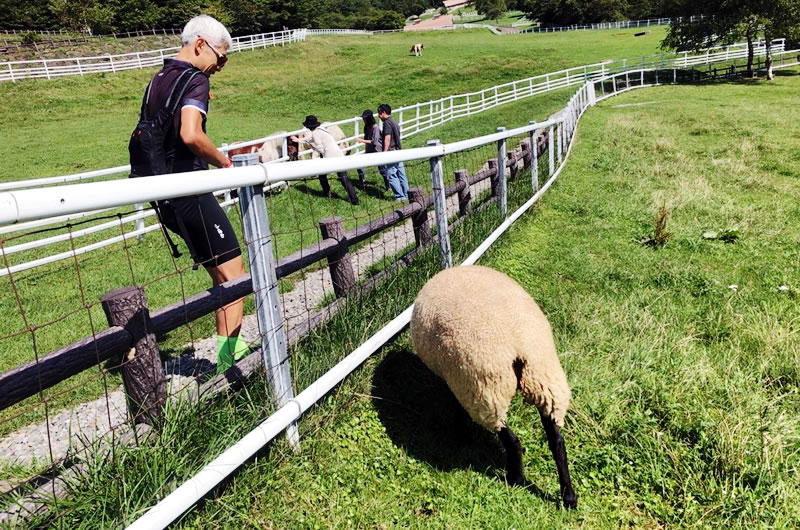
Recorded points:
(550, 152)
(502, 196)
(140, 222)
(46, 71)
(11, 72)
(534, 158)
(227, 195)
(274, 347)
(559, 139)
(440, 207)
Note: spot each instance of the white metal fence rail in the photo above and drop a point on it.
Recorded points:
(50, 68)
(621, 24)
(413, 119)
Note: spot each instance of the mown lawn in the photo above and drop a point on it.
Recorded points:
(683, 360)
(76, 124)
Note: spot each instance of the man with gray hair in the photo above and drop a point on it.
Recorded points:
(183, 84)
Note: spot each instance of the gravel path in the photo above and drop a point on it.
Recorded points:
(93, 422)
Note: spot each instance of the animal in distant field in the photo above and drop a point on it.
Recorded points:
(269, 150)
(482, 333)
(416, 49)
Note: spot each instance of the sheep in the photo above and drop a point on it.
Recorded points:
(416, 49)
(482, 333)
(268, 150)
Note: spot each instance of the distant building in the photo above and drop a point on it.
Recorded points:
(452, 4)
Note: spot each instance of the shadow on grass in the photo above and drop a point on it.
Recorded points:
(423, 417)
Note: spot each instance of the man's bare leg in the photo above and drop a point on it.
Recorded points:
(229, 317)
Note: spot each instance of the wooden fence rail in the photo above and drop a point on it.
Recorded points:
(50, 369)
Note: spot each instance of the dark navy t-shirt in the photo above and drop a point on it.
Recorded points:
(196, 96)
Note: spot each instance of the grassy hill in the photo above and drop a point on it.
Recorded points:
(75, 124)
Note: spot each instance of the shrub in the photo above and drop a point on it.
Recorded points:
(31, 38)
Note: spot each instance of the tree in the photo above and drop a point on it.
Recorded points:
(491, 9)
(725, 22)
(89, 15)
(26, 14)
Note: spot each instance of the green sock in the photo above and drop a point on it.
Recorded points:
(240, 351)
(230, 350)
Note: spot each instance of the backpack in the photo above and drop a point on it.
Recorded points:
(147, 146)
(148, 154)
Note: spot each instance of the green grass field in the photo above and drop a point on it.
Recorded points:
(683, 360)
(79, 124)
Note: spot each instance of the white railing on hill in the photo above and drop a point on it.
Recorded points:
(622, 24)
(50, 68)
(413, 119)
(85, 34)
(340, 32)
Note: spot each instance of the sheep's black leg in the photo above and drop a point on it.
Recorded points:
(559, 450)
(514, 474)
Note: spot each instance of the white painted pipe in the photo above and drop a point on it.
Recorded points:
(63, 179)
(77, 252)
(183, 498)
(13, 249)
(27, 205)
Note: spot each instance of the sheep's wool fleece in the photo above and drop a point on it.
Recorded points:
(271, 149)
(470, 325)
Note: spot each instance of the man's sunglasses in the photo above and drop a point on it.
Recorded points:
(221, 59)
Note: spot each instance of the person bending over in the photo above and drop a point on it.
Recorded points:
(325, 144)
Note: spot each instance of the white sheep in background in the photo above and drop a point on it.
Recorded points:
(477, 329)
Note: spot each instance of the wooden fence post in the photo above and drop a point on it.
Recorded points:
(142, 374)
(492, 162)
(534, 147)
(464, 195)
(422, 228)
(339, 263)
(502, 174)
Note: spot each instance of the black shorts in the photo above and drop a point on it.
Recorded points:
(205, 228)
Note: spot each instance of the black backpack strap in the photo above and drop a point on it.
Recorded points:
(179, 89)
(145, 101)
